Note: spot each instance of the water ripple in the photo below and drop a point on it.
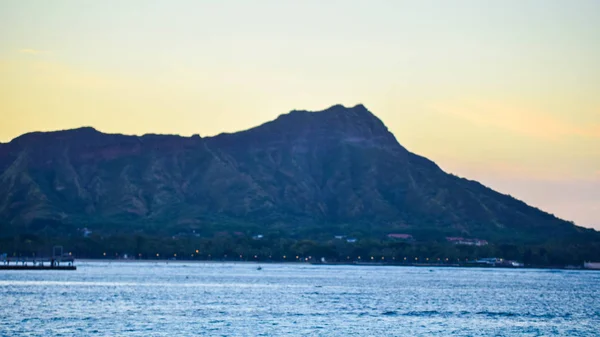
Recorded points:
(182, 299)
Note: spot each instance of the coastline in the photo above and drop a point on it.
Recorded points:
(359, 264)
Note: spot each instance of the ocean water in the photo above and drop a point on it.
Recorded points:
(216, 299)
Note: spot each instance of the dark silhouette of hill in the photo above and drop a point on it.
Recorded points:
(335, 171)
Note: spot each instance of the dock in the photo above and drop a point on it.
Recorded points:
(67, 263)
(36, 267)
(58, 261)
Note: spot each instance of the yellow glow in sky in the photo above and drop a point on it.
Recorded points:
(504, 92)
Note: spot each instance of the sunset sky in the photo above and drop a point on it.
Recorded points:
(505, 92)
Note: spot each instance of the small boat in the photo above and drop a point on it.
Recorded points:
(259, 268)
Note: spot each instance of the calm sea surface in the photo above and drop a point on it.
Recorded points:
(214, 299)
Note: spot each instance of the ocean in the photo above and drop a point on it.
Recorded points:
(237, 299)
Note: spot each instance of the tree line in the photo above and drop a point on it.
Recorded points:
(274, 247)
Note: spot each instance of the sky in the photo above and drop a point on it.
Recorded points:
(505, 92)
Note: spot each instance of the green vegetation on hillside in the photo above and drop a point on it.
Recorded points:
(304, 176)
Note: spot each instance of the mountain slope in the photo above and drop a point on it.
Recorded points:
(335, 170)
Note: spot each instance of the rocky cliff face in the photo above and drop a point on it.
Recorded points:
(336, 168)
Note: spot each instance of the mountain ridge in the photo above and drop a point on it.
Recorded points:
(303, 172)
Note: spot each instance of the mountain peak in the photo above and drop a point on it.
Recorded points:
(341, 107)
(337, 112)
(337, 108)
(333, 125)
(355, 123)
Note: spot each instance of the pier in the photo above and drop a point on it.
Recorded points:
(58, 261)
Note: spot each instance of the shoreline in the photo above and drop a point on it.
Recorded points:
(357, 264)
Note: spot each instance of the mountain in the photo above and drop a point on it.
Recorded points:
(335, 171)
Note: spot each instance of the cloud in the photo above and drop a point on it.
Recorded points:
(520, 120)
(32, 51)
